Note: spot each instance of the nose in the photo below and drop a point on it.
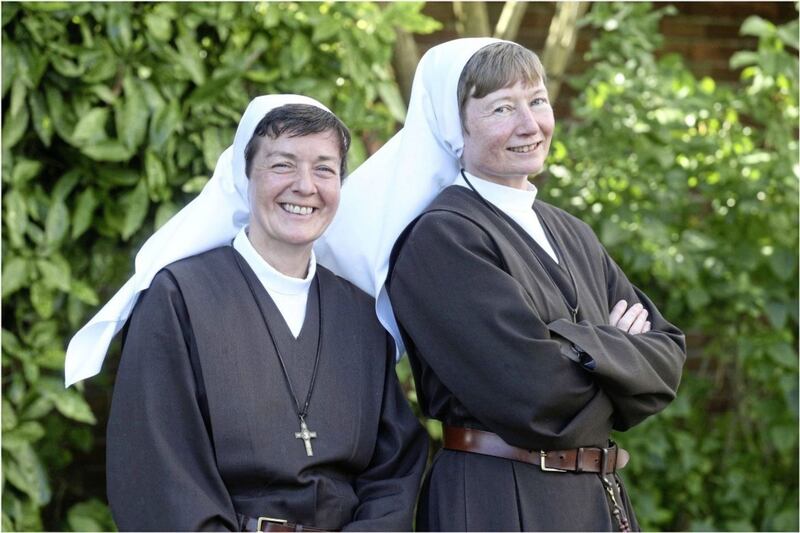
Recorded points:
(527, 124)
(304, 182)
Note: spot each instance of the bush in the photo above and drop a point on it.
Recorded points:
(113, 117)
(693, 188)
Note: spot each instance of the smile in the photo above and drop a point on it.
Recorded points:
(297, 209)
(524, 149)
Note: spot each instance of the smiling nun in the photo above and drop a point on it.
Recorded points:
(526, 339)
(256, 390)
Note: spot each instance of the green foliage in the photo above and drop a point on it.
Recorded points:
(693, 188)
(114, 115)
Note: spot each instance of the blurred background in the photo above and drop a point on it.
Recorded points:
(677, 140)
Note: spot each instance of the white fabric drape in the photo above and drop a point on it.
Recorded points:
(210, 220)
(394, 185)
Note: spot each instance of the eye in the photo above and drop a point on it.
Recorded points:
(281, 165)
(325, 169)
(503, 110)
(539, 100)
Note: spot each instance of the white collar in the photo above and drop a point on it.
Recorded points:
(272, 279)
(502, 196)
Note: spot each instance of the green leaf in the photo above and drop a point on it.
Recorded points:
(194, 184)
(84, 210)
(118, 26)
(14, 127)
(300, 51)
(164, 123)
(136, 203)
(56, 273)
(91, 127)
(784, 263)
(60, 114)
(27, 432)
(52, 358)
(159, 27)
(15, 275)
(213, 146)
(189, 57)
(211, 89)
(9, 67)
(68, 68)
(25, 472)
(156, 175)
(390, 95)
(57, 223)
(38, 408)
(788, 34)
(65, 184)
(9, 417)
(15, 216)
(71, 404)
(83, 292)
(91, 515)
(107, 150)
(18, 94)
(131, 114)
(42, 299)
(757, 27)
(325, 28)
(742, 58)
(164, 212)
(24, 170)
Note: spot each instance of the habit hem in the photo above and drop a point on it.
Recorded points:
(202, 425)
(490, 338)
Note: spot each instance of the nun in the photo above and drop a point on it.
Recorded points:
(525, 338)
(256, 390)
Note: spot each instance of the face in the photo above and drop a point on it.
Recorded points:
(294, 191)
(509, 134)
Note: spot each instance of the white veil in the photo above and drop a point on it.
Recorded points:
(210, 220)
(394, 185)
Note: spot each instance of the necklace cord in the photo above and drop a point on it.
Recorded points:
(301, 413)
(573, 309)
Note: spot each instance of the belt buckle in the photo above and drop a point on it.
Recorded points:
(262, 519)
(543, 465)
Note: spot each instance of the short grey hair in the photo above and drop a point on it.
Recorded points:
(494, 67)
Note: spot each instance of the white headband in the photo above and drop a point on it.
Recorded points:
(210, 220)
(394, 185)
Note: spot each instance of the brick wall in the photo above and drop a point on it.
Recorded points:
(705, 34)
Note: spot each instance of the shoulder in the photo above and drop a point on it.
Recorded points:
(353, 307)
(564, 220)
(346, 290)
(212, 260)
(455, 211)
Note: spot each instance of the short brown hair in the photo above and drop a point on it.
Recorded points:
(494, 67)
(298, 120)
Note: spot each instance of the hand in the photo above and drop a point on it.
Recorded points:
(631, 320)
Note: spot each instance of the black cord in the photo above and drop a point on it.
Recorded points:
(301, 413)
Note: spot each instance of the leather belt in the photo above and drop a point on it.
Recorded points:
(594, 460)
(265, 523)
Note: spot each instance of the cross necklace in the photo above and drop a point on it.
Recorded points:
(305, 434)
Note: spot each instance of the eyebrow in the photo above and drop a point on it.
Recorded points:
(289, 155)
(539, 90)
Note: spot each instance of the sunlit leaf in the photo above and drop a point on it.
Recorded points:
(83, 212)
(57, 223)
(136, 203)
(55, 273)
(107, 150)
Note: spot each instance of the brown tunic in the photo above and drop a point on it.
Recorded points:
(202, 426)
(490, 337)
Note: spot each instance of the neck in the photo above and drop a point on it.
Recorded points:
(520, 182)
(289, 261)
